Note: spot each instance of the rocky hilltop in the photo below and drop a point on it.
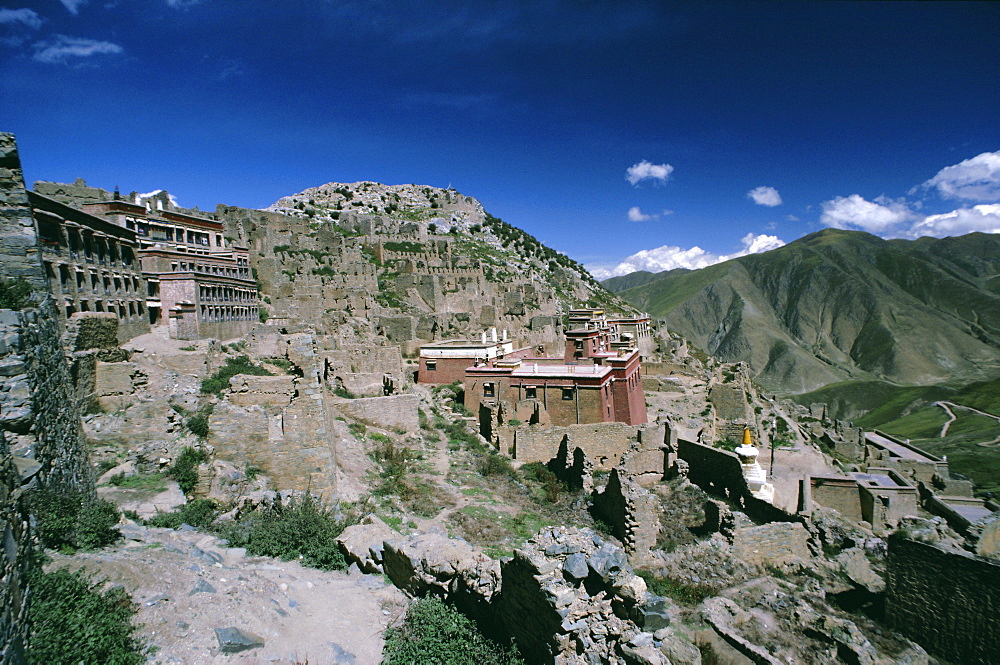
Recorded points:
(407, 263)
(841, 305)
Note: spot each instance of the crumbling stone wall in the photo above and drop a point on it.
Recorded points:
(17, 562)
(37, 406)
(948, 601)
(18, 237)
(714, 470)
(632, 512)
(391, 412)
(775, 543)
(603, 443)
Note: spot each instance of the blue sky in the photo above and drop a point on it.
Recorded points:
(668, 134)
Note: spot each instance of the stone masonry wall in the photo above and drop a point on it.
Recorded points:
(37, 406)
(393, 412)
(632, 512)
(947, 601)
(775, 543)
(603, 443)
(15, 564)
(18, 237)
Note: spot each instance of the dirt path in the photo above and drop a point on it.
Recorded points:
(186, 586)
(949, 406)
(951, 418)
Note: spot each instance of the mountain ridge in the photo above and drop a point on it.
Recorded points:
(841, 305)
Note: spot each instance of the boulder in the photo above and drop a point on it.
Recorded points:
(234, 640)
(434, 563)
(363, 544)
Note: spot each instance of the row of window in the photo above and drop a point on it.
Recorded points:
(530, 392)
(107, 285)
(224, 271)
(209, 314)
(131, 311)
(226, 293)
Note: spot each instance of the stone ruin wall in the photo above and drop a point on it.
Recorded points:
(39, 410)
(947, 601)
(17, 563)
(602, 443)
(41, 434)
(324, 280)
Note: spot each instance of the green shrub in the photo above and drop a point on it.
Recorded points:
(198, 513)
(219, 381)
(536, 473)
(357, 429)
(72, 621)
(197, 425)
(71, 521)
(185, 468)
(434, 632)
(263, 315)
(341, 391)
(189, 348)
(301, 530)
(495, 465)
(15, 294)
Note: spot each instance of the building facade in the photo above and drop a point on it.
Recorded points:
(197, 283)
(92, 265)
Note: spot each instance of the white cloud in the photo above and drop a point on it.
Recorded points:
(182, 4)
(984, 218)
(975, 179)
(73, 6)
(637, 215)
(61, 48)
(646, 171)
(670, 257)
(23, 16)
(856, 212)
(765, 196)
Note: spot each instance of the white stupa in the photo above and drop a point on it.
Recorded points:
(755, 476)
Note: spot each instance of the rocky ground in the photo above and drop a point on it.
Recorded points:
(187, 586)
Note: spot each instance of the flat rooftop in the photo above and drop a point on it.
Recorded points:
(898, 449)
(876, 480)
(969, 511)
(527, 370)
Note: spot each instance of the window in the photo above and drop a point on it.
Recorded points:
(567, 393)
(489, 390)
(530, 392)
(432, 365)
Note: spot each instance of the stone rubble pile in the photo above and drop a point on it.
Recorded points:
(568, 596)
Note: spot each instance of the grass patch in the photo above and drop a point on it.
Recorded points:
(198, 513)
(682, 592)
(219, 381)
(151, 481)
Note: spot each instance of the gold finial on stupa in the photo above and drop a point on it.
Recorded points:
(746, 437)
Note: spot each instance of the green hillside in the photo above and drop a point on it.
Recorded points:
(839, 306)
